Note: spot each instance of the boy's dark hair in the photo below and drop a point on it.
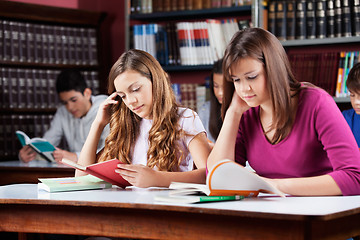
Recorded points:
(353, 79)
(70, 79)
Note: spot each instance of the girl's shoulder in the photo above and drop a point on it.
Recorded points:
(186, 112)
(313, 94)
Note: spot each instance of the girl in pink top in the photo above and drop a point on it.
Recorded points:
(291, 133)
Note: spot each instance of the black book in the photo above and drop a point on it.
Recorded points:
(310, 19)
(330, 19)
(280, 16)
(271, 17)
(346, 19)
(290, 19)
(320, 18)
(356, 18)
(338, 22)
(300, 19)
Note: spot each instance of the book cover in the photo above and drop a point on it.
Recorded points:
(40, 145)
(196, 199)
(87, 182)
(103, 170)
(238, 181)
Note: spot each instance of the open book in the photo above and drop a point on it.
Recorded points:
(40, 145)
(103, 170)
(227, 178)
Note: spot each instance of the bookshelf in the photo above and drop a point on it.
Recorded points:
(316, 32)
(36, 43)
(188, 60)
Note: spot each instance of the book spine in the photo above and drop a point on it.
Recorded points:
(338, 20)
(38, 44)
(271, 18)
(330, 19)
(6, 41)
(320, 18)
(300, 19)
(290, 20)
(22, 91)
(356, 17)
(14, 41)
(22, 43)
(310, 19)
(51, 44)
(30, 42)
(346, 19)
(13, 103)
(1, 39)
(280, 16)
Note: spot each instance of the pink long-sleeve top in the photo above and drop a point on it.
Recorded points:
(320, 142)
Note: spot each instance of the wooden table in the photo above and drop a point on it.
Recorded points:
(20, 172)
(134, 214)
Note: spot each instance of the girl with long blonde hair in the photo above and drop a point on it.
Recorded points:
(158, 141)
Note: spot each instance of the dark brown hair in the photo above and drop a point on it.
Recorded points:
(263, 46)
(215, 121)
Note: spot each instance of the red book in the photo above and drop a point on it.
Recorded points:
(103, 170)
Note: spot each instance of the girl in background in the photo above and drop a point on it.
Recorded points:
(210, 114)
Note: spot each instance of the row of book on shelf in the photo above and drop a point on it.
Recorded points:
(35, 88)
(187, 43)
(191, 95)
(327, 70)
(300, 19)
(47, 44)
(33, 125)
(150, 6)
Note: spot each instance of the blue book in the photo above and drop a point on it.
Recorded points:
(40, 145)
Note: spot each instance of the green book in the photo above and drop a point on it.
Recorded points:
(196, 199)
(86, 182)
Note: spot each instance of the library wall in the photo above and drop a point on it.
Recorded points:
(113, 28)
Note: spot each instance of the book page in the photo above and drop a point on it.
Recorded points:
(228, 175)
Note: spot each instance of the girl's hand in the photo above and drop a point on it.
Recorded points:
(139, 175)
(238, 105)
(103, 116)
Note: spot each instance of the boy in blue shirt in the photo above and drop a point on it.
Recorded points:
(352, 115)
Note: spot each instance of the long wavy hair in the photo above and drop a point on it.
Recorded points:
(164, 152)
(215, 121)
(260, 44)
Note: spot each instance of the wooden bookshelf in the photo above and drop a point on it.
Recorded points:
(69, 38)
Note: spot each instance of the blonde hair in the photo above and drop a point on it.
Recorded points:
(261, 45)
(164, 152)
